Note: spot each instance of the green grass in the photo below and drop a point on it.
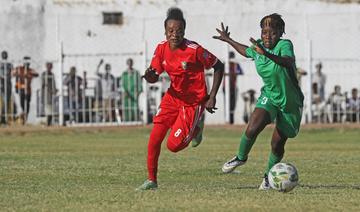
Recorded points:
(98, 169)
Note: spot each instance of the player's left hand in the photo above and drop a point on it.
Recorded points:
(210, 105)
(257, 47)
(224, 34)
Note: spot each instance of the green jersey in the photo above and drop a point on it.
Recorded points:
(280, 83)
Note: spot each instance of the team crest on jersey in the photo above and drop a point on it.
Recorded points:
(184, 65)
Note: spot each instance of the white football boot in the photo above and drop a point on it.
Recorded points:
(265, 185)
(232, 164)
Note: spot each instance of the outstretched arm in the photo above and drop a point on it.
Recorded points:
(218, 75)
(224, 35)
(285, 61)
(98, 67)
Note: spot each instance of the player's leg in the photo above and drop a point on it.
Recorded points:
(287, 126)
(165, 117)
(258, 120)
(184, 128)
(157, 135)
(276, 154)
(198, 134)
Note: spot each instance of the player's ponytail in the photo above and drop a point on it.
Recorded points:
(175, 13)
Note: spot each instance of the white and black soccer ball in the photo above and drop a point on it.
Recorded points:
(283, 177)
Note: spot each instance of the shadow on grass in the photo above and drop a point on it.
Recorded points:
(248, 187)
(330, 186)
(308, 186)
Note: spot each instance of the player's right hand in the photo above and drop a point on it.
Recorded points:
(224, 34)
(257, 47)
(150, 75)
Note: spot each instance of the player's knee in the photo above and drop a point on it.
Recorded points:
(251, 132)
(173, 147)
(175, 144)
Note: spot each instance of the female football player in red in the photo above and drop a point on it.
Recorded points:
(184, 102)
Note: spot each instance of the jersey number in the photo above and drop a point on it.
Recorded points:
(177, 133)
(264, 100)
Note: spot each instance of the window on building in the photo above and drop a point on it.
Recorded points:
(112, 18)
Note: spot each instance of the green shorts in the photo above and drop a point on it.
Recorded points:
(287, 122)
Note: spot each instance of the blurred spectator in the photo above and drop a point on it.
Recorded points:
(24, 75)
(74, 82)
(152, 102)
(119, 99)
(106, 93)
(234, 70)
(299, 74)
(132, 87)
(336, 101)
(48, 92)
(249, 104)
(317, 105)
(353, 106)
(165, 83)
(320, 79)
(5, 88)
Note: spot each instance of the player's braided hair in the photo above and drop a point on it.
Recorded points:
(175, 13)
(274, 21)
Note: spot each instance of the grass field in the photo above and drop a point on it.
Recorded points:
(98, 169)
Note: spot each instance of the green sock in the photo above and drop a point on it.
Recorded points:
(273, 159)
(245, 147)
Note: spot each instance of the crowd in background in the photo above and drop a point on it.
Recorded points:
(337, 107)
(116, 99)
(15, 86)
(112, 99)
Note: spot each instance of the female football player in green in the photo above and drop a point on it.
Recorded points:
(281, 98)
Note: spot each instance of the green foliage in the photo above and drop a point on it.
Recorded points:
(99, 169)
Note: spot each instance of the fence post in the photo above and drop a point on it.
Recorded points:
(144, 83)
(61, 91)
(309, 84)
(227, 85)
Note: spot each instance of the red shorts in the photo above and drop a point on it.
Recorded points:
(181, 119)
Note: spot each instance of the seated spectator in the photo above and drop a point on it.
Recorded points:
(336, 101)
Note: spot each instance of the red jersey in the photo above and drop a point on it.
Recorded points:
(185, 67)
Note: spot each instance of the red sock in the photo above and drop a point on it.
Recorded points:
(157, 135)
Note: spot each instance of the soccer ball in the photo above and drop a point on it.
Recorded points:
(283, 177)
